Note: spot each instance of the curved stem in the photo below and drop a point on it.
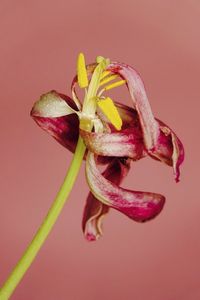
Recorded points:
(45, 228)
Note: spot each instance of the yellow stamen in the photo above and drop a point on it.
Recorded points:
(81, 71)
(109, 109)
(108, 79)
(104, 74)
(114, 85)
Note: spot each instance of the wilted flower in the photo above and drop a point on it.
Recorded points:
(114, 134)
(104, 133)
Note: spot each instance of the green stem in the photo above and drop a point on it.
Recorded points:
(45, 228)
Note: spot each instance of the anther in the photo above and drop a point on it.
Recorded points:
(81, 71)
(109, 109)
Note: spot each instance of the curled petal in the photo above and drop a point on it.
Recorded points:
(92, 219)
(139, 206)
(52, 105)
(95, 210)
(140, 102)
(168, 149)
(160, 141)
(64, 129)
(178, 155)
(126, 143)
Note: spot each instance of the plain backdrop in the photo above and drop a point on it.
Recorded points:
(39, 43)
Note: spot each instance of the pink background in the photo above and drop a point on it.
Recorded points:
(40, 40)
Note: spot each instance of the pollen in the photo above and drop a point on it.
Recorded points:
(81, 71)
(109, 109)
(114, 85)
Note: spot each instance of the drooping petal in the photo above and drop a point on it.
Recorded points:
(140, 102)
(160, 141)
(52, 105)
(95, 210)
(64, 129)
(126, 143)
(139, 206)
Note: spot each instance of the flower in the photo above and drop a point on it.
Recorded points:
(115, 135)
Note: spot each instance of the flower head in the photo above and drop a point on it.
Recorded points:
(115, 135)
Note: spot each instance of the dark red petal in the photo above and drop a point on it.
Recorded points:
(95, 210)
(64, 129)
(129, 116)
(139, 206)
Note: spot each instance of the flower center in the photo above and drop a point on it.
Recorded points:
(93, 97)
